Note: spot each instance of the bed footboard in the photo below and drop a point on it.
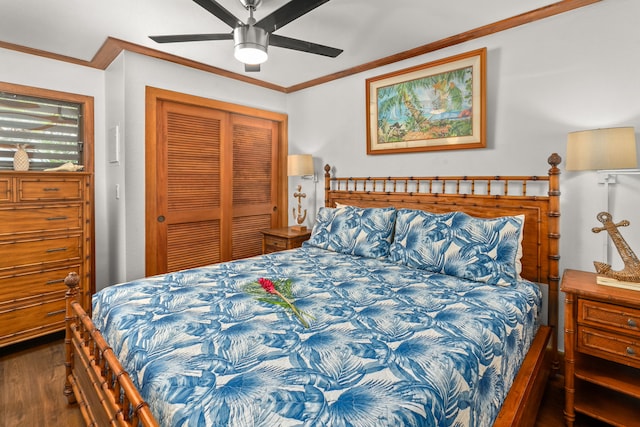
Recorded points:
(95, 380)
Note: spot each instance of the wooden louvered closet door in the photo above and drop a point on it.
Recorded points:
(254, 183)
(188, 187)
(215, 186)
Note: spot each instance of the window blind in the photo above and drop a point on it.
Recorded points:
(50, 131)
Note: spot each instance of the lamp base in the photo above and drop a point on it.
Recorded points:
(299, 227)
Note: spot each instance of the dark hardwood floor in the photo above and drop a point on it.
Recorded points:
(32, 383)
(31, 391)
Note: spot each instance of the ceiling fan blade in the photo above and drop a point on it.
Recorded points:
(287, 13)
(191, 37)
(220, 12)
(303, 46)
(251, 68)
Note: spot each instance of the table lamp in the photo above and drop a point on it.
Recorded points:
(611, 152)
(300, 165)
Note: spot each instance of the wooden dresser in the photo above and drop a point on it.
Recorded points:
(46, 231)
(602, 350)
(279, 239)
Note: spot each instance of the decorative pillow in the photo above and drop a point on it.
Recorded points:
(456, 244)
(352, 230)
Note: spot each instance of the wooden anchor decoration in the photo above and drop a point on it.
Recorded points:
(631, 270)
(300, 217)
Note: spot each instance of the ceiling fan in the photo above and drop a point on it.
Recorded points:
(252, 39)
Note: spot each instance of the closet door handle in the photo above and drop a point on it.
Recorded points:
(161, 218)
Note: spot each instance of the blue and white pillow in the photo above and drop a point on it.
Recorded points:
(352, 230)
(457, 244)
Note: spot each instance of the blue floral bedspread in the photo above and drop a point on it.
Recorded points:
(388, 345)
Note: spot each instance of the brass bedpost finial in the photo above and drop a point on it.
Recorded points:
(631, 270)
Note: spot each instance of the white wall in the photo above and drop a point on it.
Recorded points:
(570, 72)
(114, 187)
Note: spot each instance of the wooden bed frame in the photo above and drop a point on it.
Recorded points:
(103, 390)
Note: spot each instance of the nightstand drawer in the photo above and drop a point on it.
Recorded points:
(275, 243)
(279, 239)
(619, 348)
(602, 314)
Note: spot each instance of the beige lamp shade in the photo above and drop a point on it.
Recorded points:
(300, 165)
(602, 149)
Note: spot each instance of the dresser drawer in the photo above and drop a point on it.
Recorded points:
(29, 252)
(20, 286)
(33, 318)
(609, 345)
(33, 219)
(50, 189)
(599, 314)
(5, 189)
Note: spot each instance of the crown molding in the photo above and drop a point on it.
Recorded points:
(112, 47)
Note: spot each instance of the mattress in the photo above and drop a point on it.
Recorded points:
(387, 345)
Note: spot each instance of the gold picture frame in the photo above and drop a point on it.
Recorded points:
(435, 106)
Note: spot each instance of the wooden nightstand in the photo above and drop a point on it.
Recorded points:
(279, 239)
(602, 350)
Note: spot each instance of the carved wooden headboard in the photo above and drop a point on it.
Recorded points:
(536, 197)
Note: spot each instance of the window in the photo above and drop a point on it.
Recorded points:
(51, 127)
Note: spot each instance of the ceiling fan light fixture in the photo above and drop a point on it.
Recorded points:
(250, 44)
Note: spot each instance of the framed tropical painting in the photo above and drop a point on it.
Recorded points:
(434, 106)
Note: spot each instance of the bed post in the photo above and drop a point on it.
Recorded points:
(554, 252)
(327, 185)
(72, 281)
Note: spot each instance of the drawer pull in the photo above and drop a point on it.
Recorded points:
(57, 218)
(56, 250)
(631, 323)
(51, 189)
(53, 282)
(53, 313)
(631, 351)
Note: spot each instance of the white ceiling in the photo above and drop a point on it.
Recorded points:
(367, 30)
